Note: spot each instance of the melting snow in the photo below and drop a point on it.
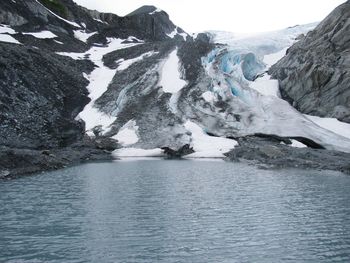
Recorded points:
(127, 135)
(170, 77)
(206, 146)
(42, 35)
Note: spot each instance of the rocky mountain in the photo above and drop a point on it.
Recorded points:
(78, 85)
(314, 76)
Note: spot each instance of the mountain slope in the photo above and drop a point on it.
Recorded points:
(81, 84)
(314, 76)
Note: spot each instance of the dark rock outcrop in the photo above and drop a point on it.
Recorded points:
(40, 96)
(271, 153)
(314, 76)
(175, 154)
(16, 162)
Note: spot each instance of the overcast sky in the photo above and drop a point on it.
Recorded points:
(242, 16)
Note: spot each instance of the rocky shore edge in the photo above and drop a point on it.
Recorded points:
(275, 153)
(264, 152)
(15, 162)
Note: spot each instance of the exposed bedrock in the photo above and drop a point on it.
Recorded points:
(314, 76)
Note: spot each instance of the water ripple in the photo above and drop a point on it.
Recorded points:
(175, 211)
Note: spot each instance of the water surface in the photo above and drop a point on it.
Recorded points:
(175, 211)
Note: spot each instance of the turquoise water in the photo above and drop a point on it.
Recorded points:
(175, 211)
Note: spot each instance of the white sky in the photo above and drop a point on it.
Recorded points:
(241, 16)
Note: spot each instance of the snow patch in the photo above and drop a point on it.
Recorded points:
(59, 42)
(5, 32)
(132, 39)
(82, 35)
(156, 11)
(137, 152)
(124, 64)
(176, 32)
(206, 146)
(100, 21)
(195, 35)
(8, 39)
(42, 35)
(170, 76)
(127, 135)
(6, 29)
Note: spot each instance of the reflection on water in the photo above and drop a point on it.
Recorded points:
(175, 211)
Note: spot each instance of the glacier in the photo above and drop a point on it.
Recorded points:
(146, 99)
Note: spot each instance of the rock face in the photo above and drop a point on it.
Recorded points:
(314, 76)
(40, 96)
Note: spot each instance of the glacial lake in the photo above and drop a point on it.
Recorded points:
(175, 211)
